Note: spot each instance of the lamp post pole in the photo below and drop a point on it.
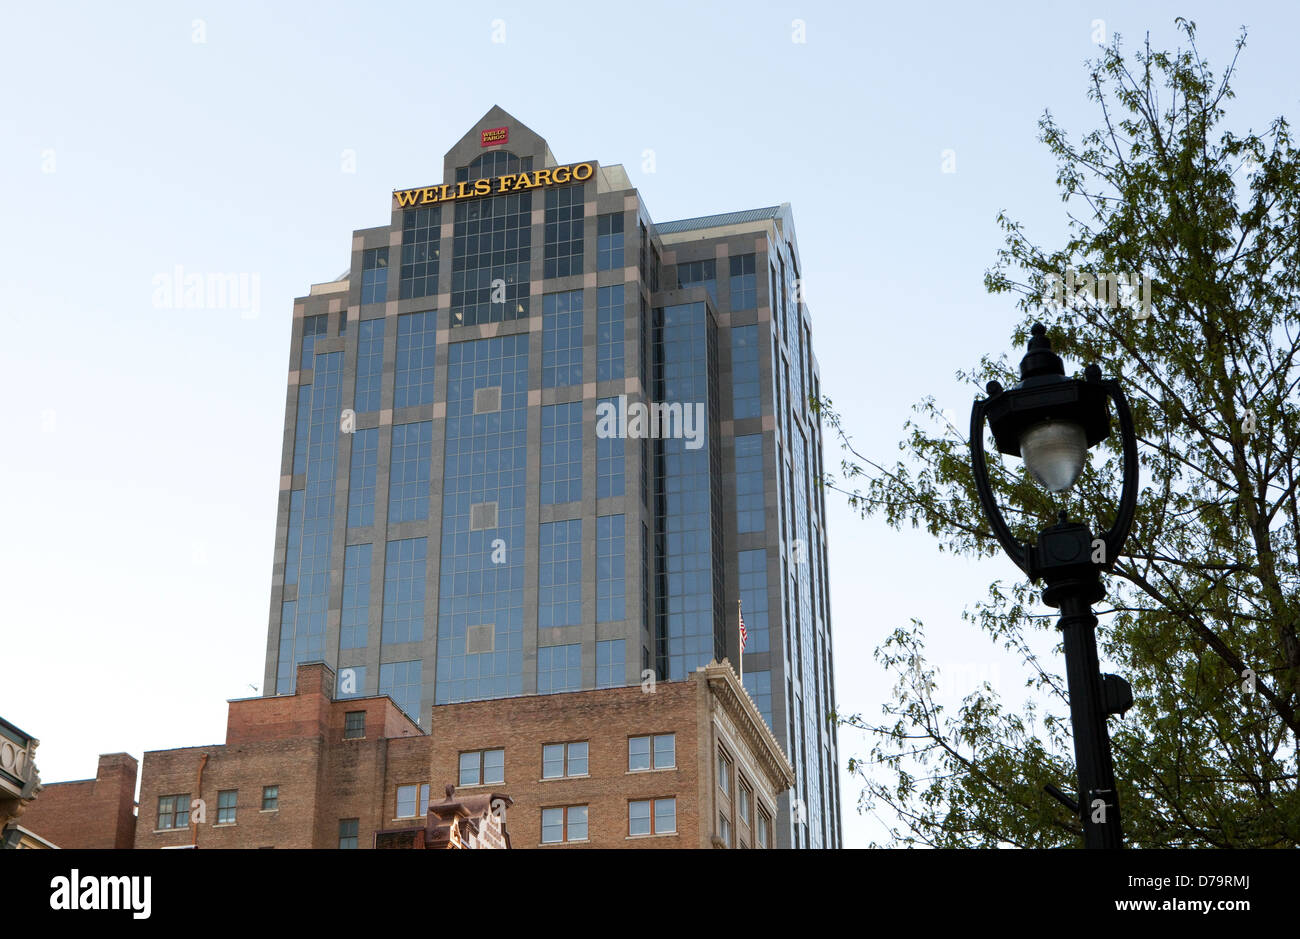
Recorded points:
(1051, 421)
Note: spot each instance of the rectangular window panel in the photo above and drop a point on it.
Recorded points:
(609, 455)
(745, 396)
(302, 430)
(665, 816)
(562, 339)
(559, 668)
(494, 767)
(611, 666)
(416, 338)
(759, 686)
(552, 826)
(609, 242)
(406, 800)
(226, 806)
(665, 751)
(559, 590)
(294, 542)
(408, 483)
(753, 597)
(609, 332)
(370, 365)
(744, 283)
(638, 817)
(470, 768)
(421, 240)
(354, 725)
(313, 328)
(750, 515)
(638, 753)
(699, 274)
(365, 470)
(270, 798)
(401, 682)
(553, 761)
(348, 832)
(374, 275)
(611, 605)
(561, 453)
(404, 577)
(562, 240)
(577, 823)
(491, 259)
(354, 620)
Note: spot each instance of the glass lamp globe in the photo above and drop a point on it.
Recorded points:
(1054, 452)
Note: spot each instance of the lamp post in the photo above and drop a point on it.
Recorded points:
(1051, 421)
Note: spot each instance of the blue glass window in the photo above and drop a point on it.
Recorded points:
(609, 242)
(759, 686)
(611, 668)
(699, 274)
(416, 336)
(559, 668)
(313, 328)
(753, 597)
(421, 239)
(482, 570)
(374, 275)
(301, 430)
(408, 486)
(491, 259)
(611, 605)
(609, 332)
(744, 372)
(370, 365)
(295, 537)
(744, 283)
(562, 339)
(562, 453)
(404, 590)
(559, 586)
(365, 467)
(401, 682)
(749, 483)
(562, 242)
(354, 622)
(609, 458)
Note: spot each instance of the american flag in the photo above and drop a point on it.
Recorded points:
(744, 636)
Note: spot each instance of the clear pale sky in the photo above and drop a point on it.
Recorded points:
(141, 458)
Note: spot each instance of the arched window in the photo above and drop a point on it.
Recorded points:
(496, 163)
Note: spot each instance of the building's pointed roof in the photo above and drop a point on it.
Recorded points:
(521, 139)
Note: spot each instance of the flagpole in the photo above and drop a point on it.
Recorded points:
(739, 619)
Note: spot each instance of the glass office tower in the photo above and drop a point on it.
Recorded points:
(537, 442)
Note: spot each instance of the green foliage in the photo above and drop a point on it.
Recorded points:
(1207, 586)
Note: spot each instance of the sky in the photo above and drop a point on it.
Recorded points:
(141, 463)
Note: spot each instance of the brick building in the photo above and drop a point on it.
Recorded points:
(88, 813)
(684, 764)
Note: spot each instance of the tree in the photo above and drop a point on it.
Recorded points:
(1201, 610)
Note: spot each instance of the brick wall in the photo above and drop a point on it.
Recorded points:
(89, 813)
(605, 719)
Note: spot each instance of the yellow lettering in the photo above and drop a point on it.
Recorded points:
(427, 196)
(443, 194)
(406, 197)
(460, 191)
(578, 173)
(543, 178)
(555, 174)
(521, 183)
(502, 185)
(482, 187)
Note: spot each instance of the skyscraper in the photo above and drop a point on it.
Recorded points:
(536, 442)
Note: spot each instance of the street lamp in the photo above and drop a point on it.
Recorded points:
(1051, 421)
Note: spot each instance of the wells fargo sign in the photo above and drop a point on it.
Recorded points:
(494, 135)
(510, 182)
